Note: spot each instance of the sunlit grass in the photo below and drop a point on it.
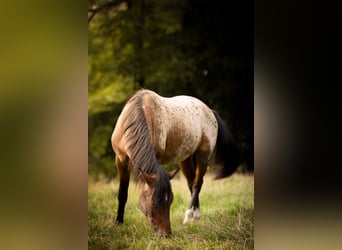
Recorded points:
(227, 217)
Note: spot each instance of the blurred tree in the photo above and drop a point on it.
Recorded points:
(199, 48)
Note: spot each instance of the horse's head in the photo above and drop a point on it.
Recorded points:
(155, 200)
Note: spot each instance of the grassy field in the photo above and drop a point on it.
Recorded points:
(227, 217)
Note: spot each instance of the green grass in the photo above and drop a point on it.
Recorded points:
(227, 217)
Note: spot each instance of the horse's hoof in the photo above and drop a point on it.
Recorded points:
(197, 214)
(119, 220)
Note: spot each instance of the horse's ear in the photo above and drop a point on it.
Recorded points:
(172, 173)
(150, 179)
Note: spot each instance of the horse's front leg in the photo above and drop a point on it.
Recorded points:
(193, 212)
(124, 174)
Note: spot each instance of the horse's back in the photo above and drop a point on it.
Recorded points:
(180, 126)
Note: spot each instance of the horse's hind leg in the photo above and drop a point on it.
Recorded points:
(193, 212)
(124, 174)
(189, 171)
(194, 177)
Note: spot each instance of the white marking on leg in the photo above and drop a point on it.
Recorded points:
(188, 215)
(191, 214)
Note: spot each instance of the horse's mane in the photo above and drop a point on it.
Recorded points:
(139, 143)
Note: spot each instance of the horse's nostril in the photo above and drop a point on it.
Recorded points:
(166, 235)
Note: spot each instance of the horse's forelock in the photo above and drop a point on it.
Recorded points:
(162, 187)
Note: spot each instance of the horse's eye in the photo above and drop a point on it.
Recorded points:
(166, 197)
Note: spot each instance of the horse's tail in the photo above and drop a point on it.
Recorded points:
(227, 155)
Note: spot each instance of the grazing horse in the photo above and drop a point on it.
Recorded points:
(153, 130)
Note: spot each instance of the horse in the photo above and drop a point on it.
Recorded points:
(153, 130)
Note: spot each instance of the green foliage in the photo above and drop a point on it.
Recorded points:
(227, 217)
